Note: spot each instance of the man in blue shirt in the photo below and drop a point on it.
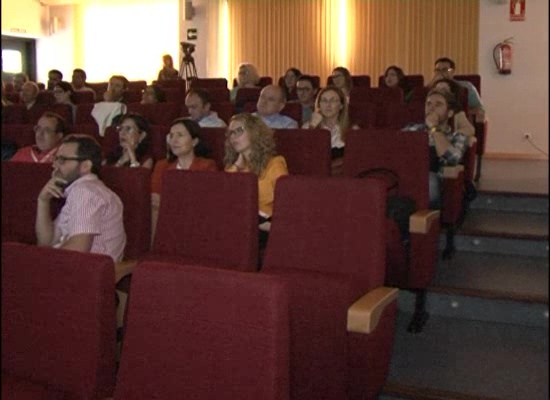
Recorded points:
(271, 102)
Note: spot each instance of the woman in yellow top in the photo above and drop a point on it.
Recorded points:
(250, 147)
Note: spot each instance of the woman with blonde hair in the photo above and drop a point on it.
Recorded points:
(250, 147)
(331, 113)
(247, 76)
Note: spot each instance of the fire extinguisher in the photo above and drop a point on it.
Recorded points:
(502, 55)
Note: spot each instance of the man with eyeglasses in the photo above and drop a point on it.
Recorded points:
(48, 133)
(444, 68)
(306, 90)
(90, 221)
(270, 103)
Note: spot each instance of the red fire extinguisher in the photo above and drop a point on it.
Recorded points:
(502, 55)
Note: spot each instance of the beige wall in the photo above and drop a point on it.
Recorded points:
(518, 102)
(23, 18)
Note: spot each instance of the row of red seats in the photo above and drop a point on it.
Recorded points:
(313, 359)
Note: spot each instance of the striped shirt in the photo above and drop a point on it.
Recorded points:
(92, 208)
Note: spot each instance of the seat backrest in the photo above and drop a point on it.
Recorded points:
(306, 151)
(158, 113)
(132, 96)
(14, 114)
(174, 95)
(360, 80)
(413, 81)
(475, 79)
(133, 186)
(21, 134)
(179, 320)
(209, 216)
(264, 81)
(58, 319)
(171, 83)
(218, 94)
(99, 89)
(158, 141)
(137, 85)
(207, 83)
(363, 114)
(331, 226)
(246, 95)
(84, 114)
(21, 184)
(87, 129)
(405, 153)
(294, 111)
(225, 110)
(83, 97)
(215, 140)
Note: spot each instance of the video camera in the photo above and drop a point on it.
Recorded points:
(187, 48)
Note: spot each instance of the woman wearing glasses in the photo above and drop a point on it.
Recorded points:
(341, 78)
(250, 147)
(133, 149)
(331, 113)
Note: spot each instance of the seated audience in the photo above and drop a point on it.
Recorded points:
(306, 89)
(152, 94)
(106, 112)
(198, 105)
(461, 123)
(341, 78)
(54, 76)
(246, 77)
(250, 147)
(447, 146)
(331, 113)
(290, 79)
(48, 134)
(395, 78)
(90, 221)
(19, 80)
(79, 82)
(186, 150)
(270, 103)
(133, 149)
(63, 93)
(168, 71)
(29, 94)
(444, 68)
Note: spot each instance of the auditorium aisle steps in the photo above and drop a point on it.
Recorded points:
(487, 336)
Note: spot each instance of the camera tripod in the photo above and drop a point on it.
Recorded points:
(187, 67)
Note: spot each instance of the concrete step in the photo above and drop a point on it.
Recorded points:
(512, 202)
(497, 276)
(499, 245)
(458, 359)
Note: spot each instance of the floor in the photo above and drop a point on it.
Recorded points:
(520, 176)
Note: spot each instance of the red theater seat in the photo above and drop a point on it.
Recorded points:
(205, 334)
(407, 155)
(20, 134)
(208, 83)
(306, 151)
(156, 114)
(58, 323)
(327, 241)
(215, 140)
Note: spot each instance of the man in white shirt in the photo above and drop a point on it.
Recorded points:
(198, 105)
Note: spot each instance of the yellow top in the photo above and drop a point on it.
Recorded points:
(275, 168)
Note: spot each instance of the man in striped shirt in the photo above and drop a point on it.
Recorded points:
(91, 218)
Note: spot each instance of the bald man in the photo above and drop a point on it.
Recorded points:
(271, 102)
(28, 94)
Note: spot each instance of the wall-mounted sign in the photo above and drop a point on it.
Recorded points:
(192, 34)
(517, 10)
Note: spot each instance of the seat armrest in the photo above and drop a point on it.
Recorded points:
(422, 221)
(364, 314)
(452, 172)
(123, 268)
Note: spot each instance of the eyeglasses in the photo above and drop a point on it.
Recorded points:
(337, 76)
(235, 132)
(56, 91)
(443, 70)
(62, 159)
(39, 129)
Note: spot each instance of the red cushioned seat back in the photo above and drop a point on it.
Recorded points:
(247, 95)
(83, 97)
(21, 184)
(329, 225)
(225, 110)
(215, 140)
(202, 333)
(21, 134)
(405, 153)
(207, 83)
(156, 114)
(84, 114)
(306, 151)
(14, 114)
(58, 319)
(210, 216)
(133, 186)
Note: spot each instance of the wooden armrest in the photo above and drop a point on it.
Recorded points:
(452, 172)
(364, 314)
(421, 221)
(123, 268)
